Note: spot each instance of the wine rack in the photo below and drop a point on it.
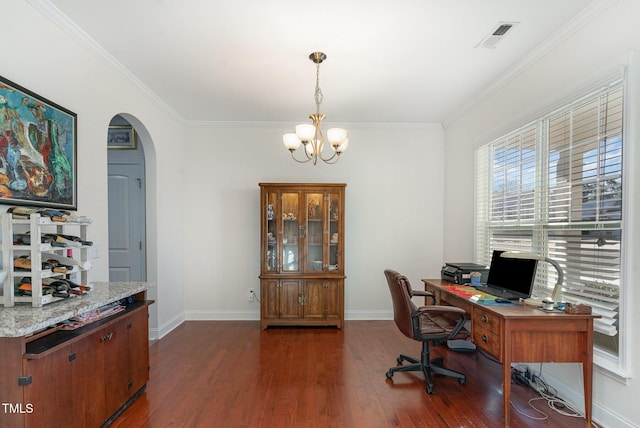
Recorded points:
(36, 251)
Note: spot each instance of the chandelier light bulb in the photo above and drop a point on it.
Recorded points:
(336, 136)
(342, 147)
(305, 132)
(291, 141)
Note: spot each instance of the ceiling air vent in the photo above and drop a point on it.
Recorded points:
(491, 40)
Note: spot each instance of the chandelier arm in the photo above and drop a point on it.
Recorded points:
(304, 149)
(327, 160)
(299, 161)
(333, 159)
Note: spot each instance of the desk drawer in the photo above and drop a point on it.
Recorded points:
(486, 319)
(486, 331)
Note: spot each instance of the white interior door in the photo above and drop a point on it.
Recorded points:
(127, 252)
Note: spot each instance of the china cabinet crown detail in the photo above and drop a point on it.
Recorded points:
(302, 254)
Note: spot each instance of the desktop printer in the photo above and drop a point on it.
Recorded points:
(460, 272)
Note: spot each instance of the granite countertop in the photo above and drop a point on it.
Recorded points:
(23, 319)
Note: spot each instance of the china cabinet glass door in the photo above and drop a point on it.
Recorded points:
(272, 232)
(290, 231)
(334, 230)
(315, 231)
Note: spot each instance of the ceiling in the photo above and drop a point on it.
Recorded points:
(408, 61)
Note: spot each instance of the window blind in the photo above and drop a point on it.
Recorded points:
(554, 187)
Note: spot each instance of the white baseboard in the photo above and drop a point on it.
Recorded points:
(166, 328)
(370, 315)
(255, 315)
(222, 315)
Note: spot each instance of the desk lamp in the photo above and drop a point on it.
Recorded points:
(556, 296)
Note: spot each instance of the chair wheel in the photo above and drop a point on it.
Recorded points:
(430, 389)
(462, 381)
(399, 361)
(389, 374)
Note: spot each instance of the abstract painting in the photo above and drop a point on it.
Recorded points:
(37, 150)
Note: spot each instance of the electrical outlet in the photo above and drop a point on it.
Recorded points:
(251, 294)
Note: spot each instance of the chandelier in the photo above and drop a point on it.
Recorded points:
(311, 136)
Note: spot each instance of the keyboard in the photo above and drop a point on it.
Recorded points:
(499, 292)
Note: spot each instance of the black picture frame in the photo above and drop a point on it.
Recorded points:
(38, 150)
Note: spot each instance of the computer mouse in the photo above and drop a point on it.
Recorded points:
(501, 300)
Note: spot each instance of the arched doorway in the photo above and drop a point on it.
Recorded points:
(127, 202)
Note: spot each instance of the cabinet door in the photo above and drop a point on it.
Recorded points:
(323, 300)
(88, 376)
(269, 299)
(316, 227)
(336, 231)
(334, 297)
(315, 299)
(291, 299)
(291, 228)
(272, 215)
(138, 330)
(115, 345)
(48, 393)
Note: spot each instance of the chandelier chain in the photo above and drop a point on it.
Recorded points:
(318, 93)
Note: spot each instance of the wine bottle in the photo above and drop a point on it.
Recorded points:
(25, 239)
(24, 263)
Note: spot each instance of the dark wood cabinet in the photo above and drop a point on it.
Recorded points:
(78, 378)
(52, 380)
(113, 343)
(302, 254)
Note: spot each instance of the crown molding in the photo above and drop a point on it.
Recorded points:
(291, 125)
(46, 8)
(588, 14)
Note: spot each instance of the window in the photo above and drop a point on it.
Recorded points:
(554, 187)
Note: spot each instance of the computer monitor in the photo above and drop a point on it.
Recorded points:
(514, 276)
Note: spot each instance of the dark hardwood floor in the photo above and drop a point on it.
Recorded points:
(232, 374)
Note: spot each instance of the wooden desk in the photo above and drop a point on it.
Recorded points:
(523, 334)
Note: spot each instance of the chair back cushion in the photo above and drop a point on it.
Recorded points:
(403, 307)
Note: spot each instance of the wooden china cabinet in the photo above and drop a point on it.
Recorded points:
(302, 254)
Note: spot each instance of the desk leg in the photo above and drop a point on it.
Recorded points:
(587, 373)
(506, 372)
(506, 387)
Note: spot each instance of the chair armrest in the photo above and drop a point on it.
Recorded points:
(424, 293)
(454, 310)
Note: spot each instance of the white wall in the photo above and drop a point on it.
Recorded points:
(393, 211)
(43, 58)
(598, 47)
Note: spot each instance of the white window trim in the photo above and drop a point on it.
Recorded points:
(619, 368)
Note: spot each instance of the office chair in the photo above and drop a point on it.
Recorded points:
(431, 325)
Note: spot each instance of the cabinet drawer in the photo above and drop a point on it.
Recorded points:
(487, 330)
(486, 320)
(488, 340)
